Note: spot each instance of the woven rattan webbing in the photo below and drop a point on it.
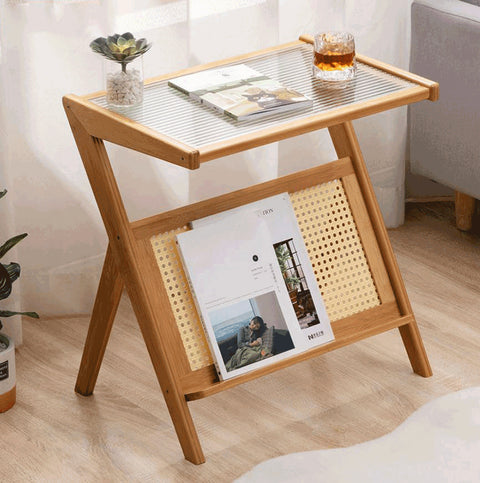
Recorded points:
(335, 251)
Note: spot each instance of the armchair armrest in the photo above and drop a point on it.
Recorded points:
(444, 135)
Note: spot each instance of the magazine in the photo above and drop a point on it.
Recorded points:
(240, 295)
(294, 263)
(240, 92)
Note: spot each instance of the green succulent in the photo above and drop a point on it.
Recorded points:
(9, 273)
(120, 48)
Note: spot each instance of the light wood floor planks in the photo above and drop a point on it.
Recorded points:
(123, 432)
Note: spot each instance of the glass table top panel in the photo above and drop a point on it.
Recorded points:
(175, 114)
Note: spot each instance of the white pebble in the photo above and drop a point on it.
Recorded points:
(125, 88)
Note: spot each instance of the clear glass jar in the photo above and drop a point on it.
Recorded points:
(124, 82)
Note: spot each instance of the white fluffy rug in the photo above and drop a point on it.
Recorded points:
(440, 442)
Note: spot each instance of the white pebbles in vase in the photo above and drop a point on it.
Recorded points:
(123, 68)
(125, 88)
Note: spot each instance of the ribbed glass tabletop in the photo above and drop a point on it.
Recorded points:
(170, 112)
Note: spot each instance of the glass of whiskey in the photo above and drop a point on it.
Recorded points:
(334, 57)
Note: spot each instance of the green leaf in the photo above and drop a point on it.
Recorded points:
(113, 46)
(5, 283)
(13, 270)
(9, 313)
(121, 41)
(97, 45)
(128, 36)
(144, 47)
(140, 44)
(129, 51)
(11, 243)
(3, 193)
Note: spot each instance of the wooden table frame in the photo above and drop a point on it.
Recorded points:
(130, 260)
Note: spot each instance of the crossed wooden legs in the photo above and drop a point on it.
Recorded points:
(131, 261)
(104, 310)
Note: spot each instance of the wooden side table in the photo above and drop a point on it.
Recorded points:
(334, 203)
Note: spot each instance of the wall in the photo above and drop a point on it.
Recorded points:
(45, 55)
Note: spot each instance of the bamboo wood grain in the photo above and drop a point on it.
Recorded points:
(149, 301)
(464, 210)
(106, 303)
(346, 144)
(312, 123)
(347, 331)
(131, 259)
(170, 220)
(113, 127)
(368, 239)
(336, 400)
(432, 86)
(110, 126)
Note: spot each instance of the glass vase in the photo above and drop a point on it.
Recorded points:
(124, 83)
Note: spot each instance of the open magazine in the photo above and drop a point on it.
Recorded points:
(294, 262)
(240, 92)
(255, 264)
(240, 295)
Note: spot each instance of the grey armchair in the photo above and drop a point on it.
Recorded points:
(445, 135)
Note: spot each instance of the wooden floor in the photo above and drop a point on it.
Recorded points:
(123, 432)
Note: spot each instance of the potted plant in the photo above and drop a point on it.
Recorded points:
(8, 274)
(124, 87)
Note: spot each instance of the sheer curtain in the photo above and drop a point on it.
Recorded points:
(45, 54)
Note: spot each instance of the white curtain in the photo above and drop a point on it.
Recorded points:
(45, 54)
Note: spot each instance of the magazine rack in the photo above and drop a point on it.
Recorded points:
(335, 205)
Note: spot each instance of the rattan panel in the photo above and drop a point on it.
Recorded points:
(335, 251)
(181, 300)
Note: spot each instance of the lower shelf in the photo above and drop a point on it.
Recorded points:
(198, 384)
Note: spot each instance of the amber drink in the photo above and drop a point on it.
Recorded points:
(334, 57)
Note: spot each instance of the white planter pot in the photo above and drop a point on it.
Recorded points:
(7, 374)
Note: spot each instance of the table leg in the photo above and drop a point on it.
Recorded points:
(106, 303)
(346, 144)
(464, 210)
(133, 262)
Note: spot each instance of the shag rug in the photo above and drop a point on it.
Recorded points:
(440, 442)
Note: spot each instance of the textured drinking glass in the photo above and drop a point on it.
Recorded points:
(334, 57)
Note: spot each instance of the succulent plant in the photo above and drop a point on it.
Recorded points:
(120, 48)
(9, 273)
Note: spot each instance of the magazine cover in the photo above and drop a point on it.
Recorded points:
(240, 294)
(294, 264)
(240, 92)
